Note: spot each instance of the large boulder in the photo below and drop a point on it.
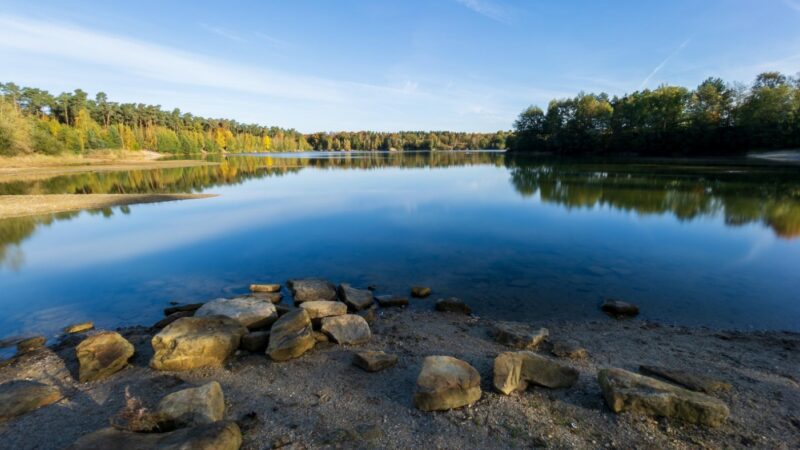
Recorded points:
(349, 329)
(519, 335)
(291, 336)
(628, 391)
(374, 361)
(193, 342)
(446, 383)
(19, 397)
(194, 406)
(690, 380)
(102, 355)
(322, 308)
(513, 371)
(357, 299)
(215, 436)
(310, 289)
(250, 312)
(453, 305)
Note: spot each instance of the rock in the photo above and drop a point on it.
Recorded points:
(291, 336)
(172, 318)
(193, 342)
(11, 341)
(321, 337)
(349, 329)
(79, 327)
(513, 371)
(19, 397)
(30, 344)
(453, 305)
(310, 289)
(265, 287)
(272, 297)
(283, 309)
(357, 299)
(249, 311)
(519, 335)
(369, 314)
(372, 361)
(221, 435)
(693, 381)
(319, 309)
(420, 291)
(446, 383)
(618, 308)
(102, 355)
(627, 391)
(194, 406)
(569, 349)
(191, 307)
(387, 301)
(255, 341)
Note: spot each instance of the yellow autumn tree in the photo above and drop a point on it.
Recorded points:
(266, 143)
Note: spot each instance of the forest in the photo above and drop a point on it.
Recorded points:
(715, 118)
(34, 121)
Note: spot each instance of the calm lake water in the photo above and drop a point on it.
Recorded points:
(694, 243)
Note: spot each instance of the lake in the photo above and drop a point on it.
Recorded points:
(699, 243)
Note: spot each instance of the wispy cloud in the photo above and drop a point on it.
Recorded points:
(275, 42)
(664, 63)
(222, 32)
(794, 4)
(488, 8)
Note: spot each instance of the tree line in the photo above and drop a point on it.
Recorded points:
(715, 118)
(33, 120)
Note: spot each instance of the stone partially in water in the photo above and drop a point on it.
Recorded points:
(420, 291)
(191, 307)
(627, 391)
(220, 435)
(272, 297)
(446, 383)
(569, 349)
(250, 312)
(79, 327)
(102, 355)
(319, 309)
(453, 305)
(388, 301)
(618, 308)
(374, 361)
(194, 342)
(693, 381)
(357, 299)
(310, 289)
(30, 344)
(172, 318)
(513, 371)
(255, 341)
(265, 287)
(519, 335)
(194, 406)
(19, 397)
(349, 329)
(291, 336)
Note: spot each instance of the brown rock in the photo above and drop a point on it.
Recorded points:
(102, 355)
(310, 289)
(319, 309)
(194, 406)
(693, 381)
(194, 342)
(519, 335)
(265, 287)
(19, 397)
(513, 371)
(30, 344)
(446, 383)
(349, 329)
(321, 337)
(357, 299)
(618, 308)
(374, 361)
(291, 336)
(221, 435)
(453, 305)
(369, 314)
(255, 341)
(271, 297)
(420, 291)
(569, 349)
(387, 301)
(79, 327)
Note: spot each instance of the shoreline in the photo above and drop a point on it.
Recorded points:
(320, 400)
(15, 206)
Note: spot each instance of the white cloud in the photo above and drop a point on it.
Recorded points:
(222, 32)
(487, 8)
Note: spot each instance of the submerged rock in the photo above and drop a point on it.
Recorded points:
(693, 381)
(291, 336)
(79, 327)
(319, 309)
(191, 307)
(255, 341)
(387, 301)
(249, 311)
(265, 287)
(357, 299)
(102, 355)
(216, 436)
(618, 308)
(193, 342)
(627, 391)
(569, 349)
(519, 335)
(310, 289)
(446, 383)
(349, 329)
(374, 361)
(194, 406)
(30, 344)
(19, 397)
(513, 371)
(420, 291)
(453, 305)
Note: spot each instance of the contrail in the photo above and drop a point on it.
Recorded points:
(664, 63)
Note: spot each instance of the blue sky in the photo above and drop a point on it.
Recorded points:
(466, 65)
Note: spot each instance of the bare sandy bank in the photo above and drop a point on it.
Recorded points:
(783, 156)
(31, 205)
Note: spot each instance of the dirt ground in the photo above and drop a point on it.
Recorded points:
(321, 400)
(31, 205)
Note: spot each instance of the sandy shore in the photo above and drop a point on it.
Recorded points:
(783, 156)
(30, 205)
(321, 400)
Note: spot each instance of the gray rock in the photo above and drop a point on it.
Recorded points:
(618, 308)
(249, 311)
(357, 299)
(194, 342)
(102, 355)
(627, 391)
(569, 349)
(453, 305)
(255, 341)
(693, 381)
(349, 329)
(319, 309)
(291, 336)
(194, 406)
(446, 383)
(514, 371)
(420, 291)
(387, 301)
(19, 397)
(310, 289)
(216, 436)
(519, 335)
(374, 361)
